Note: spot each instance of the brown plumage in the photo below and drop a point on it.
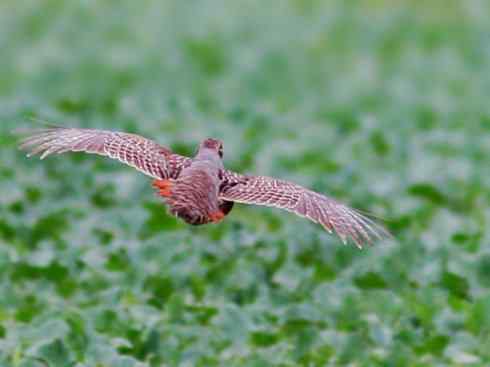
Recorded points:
(199, 190)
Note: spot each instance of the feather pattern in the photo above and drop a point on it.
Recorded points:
(331, 214)
(195, 196)
(145, 155)
(198, 192)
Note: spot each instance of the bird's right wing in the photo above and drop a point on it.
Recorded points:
(145, 155)
(331, 214)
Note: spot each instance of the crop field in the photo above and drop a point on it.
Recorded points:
(384, 105)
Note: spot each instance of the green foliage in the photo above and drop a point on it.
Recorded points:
(383, 105)
(370, 281)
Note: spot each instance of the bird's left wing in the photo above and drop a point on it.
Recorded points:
(331, 214)
(143, 154)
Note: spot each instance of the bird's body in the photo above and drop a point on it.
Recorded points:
(200, 190)
(194, 195)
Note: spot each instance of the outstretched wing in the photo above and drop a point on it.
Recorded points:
(331, 214)
(145, 155)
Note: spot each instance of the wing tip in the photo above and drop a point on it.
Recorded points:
(359, 228)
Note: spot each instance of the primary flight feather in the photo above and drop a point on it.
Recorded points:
(200, 190)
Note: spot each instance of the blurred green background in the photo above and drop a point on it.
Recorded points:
(381, 104)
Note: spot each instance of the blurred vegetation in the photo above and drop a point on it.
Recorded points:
(382, 104)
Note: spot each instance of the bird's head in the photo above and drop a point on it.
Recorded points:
(211, 146)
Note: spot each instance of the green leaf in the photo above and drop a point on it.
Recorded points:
(158, 221)
(77, 338)
(160, 288)
(323, 273)
(468, 241)
(50, 226)
(483, 271)
(379, 143)
(105, 237)
(118, 261)
(55, 272)
(322, 355)
(103, 197)
(455, 284)
(478, 317)
(264, 339)
(428, 192)
(203, 314)
(142, 344)
(370, 280)
(7, 231)
(108, 322)
(55, 354)
(33, 194)
(28, 309)
(434, 345)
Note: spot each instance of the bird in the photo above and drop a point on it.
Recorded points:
(199, 189)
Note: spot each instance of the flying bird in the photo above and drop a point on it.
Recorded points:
(200, 190)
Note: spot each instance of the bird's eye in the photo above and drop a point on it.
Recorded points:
(220, 151)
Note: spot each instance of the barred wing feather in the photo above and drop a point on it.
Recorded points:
(331, 214)
(145, 155)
